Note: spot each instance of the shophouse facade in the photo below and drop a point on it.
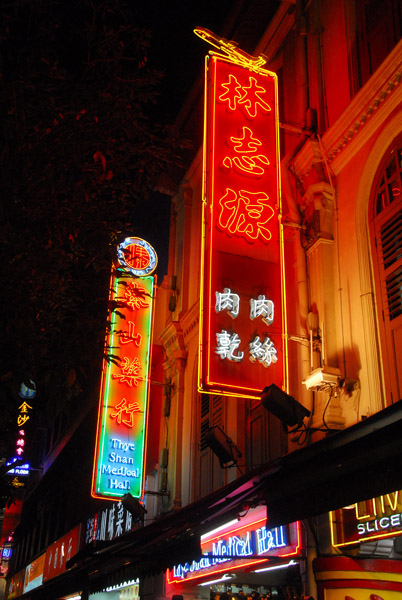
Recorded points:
(339, 68)
(314, 511)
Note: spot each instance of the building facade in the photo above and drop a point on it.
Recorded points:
(338, 67)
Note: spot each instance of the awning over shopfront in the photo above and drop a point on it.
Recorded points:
(346, 467)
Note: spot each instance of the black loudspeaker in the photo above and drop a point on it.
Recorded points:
(288, 410)
(222, 446)
(134, 506)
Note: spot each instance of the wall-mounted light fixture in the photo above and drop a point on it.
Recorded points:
(288, 410)
(134, 506)
(222, 445)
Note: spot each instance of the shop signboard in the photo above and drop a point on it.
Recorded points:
(368, 520)
(127, 590)
(246, 542)
(109, 523)
(16, 585)
(34, 573)
(60, 552)
(121, 433)
(242, 333)
(23, 418)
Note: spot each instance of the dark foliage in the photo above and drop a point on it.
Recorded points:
(78, 155)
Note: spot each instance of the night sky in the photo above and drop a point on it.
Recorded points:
(175, 48)
(179, 53)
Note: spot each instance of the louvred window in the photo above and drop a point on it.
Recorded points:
(387, 231)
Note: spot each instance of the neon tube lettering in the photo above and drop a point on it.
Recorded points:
(246, 213)
(228, 301)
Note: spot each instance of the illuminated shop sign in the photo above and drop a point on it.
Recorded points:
(246, 543)
(242, 333)
(109, 524)
(34, 574)
(16, 585)
(20, 470)
(137, 256)
(24, 415)
(121, 433)
(60, 552)
(6, 552)
(368, 520)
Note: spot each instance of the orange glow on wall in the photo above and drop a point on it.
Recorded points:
(241, 349)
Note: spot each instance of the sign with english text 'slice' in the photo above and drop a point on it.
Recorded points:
(368, 520)
(122, 421)
(243, 326)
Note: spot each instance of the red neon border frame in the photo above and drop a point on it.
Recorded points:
(208, 386)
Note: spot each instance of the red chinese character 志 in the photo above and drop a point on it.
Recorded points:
(246, 160)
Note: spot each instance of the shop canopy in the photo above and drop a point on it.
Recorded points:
(356, 464)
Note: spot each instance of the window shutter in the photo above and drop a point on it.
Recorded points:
(378, 30)
(388, 230)
(211, 475)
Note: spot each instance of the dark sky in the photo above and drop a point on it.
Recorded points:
(180, 54)
(175, 48)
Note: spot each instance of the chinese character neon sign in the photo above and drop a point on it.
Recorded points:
(137, 256)
(121, 434)
(24, 415)
(243, 326)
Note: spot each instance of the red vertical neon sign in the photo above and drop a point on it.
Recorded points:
(242, 342)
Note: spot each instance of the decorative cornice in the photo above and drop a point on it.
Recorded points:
(367, 111)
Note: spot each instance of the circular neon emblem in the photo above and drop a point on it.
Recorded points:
(137, 256)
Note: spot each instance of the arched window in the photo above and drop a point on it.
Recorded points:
(386, 231)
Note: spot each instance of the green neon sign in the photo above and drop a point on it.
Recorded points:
(122, 420)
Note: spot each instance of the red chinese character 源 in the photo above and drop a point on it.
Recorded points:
(246, 214)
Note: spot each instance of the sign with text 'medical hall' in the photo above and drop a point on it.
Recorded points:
(242, 334)
(243, 543)
(121, 432)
